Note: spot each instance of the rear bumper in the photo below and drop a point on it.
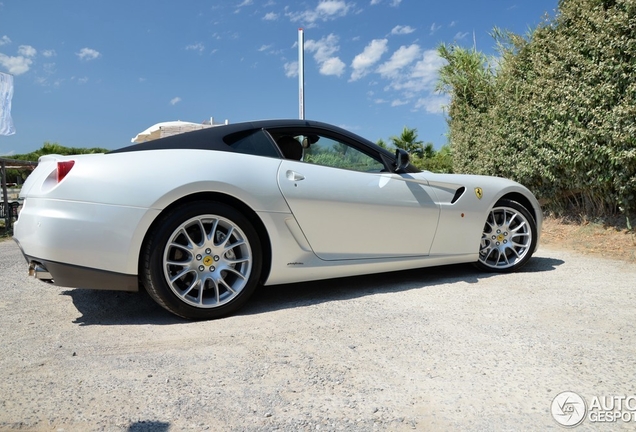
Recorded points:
(73, 276)
(86, 235)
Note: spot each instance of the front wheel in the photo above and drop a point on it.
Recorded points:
(202, 261)
(508, 239)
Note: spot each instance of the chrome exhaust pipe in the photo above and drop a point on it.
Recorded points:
(40, 272)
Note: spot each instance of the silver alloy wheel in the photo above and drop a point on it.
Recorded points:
(207, 261)
(506, 238)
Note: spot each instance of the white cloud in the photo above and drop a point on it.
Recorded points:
(15, 65)
(270, 16)
(422, 76)
(324, 50)
(460, 35)
(375, 2)
(396, 3)
(413, 73)
(49, 53)
(400, 58)
(27, 51)
(453, 24)
(175, 100)
(332, 66)
(243, 4)
(428, 66)
(402, 30)
(196, 47)
(83, 80)
(367, 58)
(88, 54)
(4, 40)
(325, 11)
(433, 104)
(331, 7)
(264, 48)
(435, 27)
(49, 68)
(291, 69)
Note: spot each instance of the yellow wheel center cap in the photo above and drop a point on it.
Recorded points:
(500, 237)
(207, 260)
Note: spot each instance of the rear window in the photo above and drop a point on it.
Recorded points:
(254, 142)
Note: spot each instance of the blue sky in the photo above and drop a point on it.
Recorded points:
(96, 73)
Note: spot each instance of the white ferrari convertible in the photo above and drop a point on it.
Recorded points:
(200, 219)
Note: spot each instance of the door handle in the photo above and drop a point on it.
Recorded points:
(294, 176)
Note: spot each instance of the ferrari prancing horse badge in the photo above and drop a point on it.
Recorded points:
(479, 192)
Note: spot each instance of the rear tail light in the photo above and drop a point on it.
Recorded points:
(63, 168)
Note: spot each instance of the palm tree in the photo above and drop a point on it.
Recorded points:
(383, 144)
(408, 141)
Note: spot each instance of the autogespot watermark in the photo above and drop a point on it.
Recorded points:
(570, 409)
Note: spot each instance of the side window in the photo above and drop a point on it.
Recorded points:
(252, 142)
(320, 150)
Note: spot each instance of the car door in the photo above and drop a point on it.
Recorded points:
(348, 209)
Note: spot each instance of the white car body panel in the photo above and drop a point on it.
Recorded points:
(461, 223)
(52, 229)
(367, 211)
(321, 222)
(130, 211)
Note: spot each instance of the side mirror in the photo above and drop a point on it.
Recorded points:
(402, 160)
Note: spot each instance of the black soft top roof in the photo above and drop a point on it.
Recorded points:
(212, 138)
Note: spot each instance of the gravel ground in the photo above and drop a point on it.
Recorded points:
(437, 349)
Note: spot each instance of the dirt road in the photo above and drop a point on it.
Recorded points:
(436, 349)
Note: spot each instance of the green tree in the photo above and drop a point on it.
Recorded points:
(440, 161)
(55, 148)
(556, 110)
(383, 144)
(423, 155)
(408, 141)
(468, 77)
(47, 148)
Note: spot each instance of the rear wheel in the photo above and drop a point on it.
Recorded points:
(508, 239)
(202, 261)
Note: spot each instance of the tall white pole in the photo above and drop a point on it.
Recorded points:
(301, 72)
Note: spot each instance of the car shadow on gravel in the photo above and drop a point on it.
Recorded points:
(149, 426)
(119, 308)
(270, 298)
(124, 308)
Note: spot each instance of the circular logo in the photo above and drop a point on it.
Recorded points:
(568, 409)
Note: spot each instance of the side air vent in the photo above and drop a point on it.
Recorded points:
(458, 193)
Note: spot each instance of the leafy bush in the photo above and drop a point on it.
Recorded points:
(556, 110)
(47, 148)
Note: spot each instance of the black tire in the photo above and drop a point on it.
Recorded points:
(197, 276)
(508, 239)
